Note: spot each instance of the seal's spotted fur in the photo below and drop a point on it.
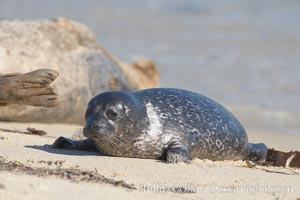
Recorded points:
(174, 124)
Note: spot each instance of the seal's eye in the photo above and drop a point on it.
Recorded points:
(111, 114)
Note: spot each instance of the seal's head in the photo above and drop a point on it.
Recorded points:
(113, 120)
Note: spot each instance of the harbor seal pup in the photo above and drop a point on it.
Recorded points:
(163, 123)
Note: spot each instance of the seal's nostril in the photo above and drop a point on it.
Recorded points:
(96, 126)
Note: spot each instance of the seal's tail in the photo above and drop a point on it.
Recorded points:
(261, 155)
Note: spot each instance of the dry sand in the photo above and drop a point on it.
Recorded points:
(150, 178)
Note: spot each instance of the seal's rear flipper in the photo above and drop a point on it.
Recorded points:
(282, 159)
(257, 152)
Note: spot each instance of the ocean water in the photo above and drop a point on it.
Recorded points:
(244, 54)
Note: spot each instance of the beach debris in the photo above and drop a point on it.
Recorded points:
(29, 131)
(72, 174)
(280, 170)
(283, 159)
(29, 89)
(277, 158)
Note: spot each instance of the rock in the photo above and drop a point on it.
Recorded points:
(69, 48)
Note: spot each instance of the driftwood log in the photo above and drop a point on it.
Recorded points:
(29, 89)
(69, 48)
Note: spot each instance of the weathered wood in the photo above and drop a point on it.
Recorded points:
(29, 89)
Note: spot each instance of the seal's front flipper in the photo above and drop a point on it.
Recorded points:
(177, 152)
(82, 145)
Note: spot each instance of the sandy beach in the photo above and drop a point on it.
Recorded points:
(66, 173)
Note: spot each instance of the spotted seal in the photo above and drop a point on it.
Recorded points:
(163, 123)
